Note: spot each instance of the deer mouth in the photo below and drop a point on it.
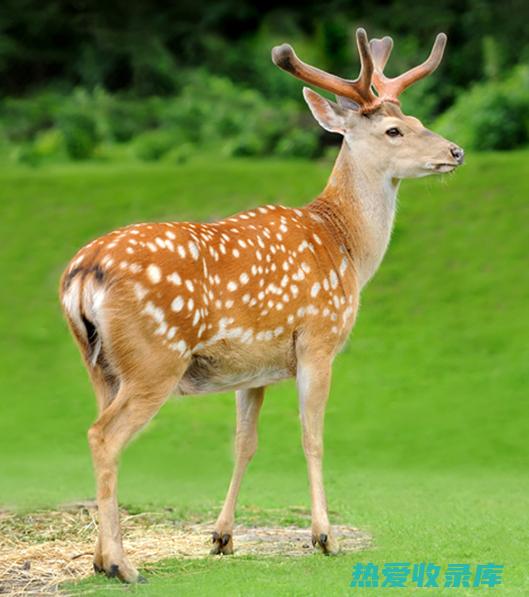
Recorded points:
(442, 167)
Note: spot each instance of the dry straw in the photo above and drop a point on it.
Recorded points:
(42, 550)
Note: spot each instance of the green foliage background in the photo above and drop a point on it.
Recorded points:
(155, 80)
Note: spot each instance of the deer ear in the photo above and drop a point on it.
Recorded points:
(330, 115)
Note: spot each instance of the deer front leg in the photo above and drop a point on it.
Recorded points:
(313, 382)
(249, 404)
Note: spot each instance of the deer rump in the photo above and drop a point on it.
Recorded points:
(225, 366)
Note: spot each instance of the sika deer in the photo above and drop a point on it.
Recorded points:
(239, 304)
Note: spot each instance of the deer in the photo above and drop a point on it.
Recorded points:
(272, 293)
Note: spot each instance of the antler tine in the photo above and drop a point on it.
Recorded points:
(358, 90)
(367, 66)
(426, 68)
(391, 88)
(284, 57)
(381, 50)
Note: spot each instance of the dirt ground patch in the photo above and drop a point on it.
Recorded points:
(39, 551)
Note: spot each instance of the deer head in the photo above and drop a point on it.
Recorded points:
(368, 114)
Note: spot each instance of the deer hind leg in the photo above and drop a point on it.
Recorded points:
(134, 405)
(249, 404)
(105, 384)
(313, 381)
(105, 388)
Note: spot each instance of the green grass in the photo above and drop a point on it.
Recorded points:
(427, 426)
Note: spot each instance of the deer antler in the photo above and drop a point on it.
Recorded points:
(390, 88)
(358, 90)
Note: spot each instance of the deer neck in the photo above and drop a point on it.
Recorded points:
(359, 203)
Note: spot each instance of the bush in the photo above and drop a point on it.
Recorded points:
(299, 143)
(211, 109)
(210, 113)
(49, 143)
(153, 145)
(214, 112)
(79, 133)
(124, 119)
(493, 115)
(25, 154)
(180, 154)
(23, 118)
(77, 123)
(245, 145)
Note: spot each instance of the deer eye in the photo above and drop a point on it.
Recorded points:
(393, 132)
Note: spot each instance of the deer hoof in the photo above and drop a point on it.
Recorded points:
(125, 572)
(222, 544)
(325, 543)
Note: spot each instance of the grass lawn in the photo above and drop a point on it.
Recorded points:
(427, 425)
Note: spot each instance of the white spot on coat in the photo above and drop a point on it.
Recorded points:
(175, 279)
(177, 304)
(193, 249)
(154, 273)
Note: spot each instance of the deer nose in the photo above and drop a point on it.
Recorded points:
(458, 154)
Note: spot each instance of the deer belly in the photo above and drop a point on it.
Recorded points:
(206, 375)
